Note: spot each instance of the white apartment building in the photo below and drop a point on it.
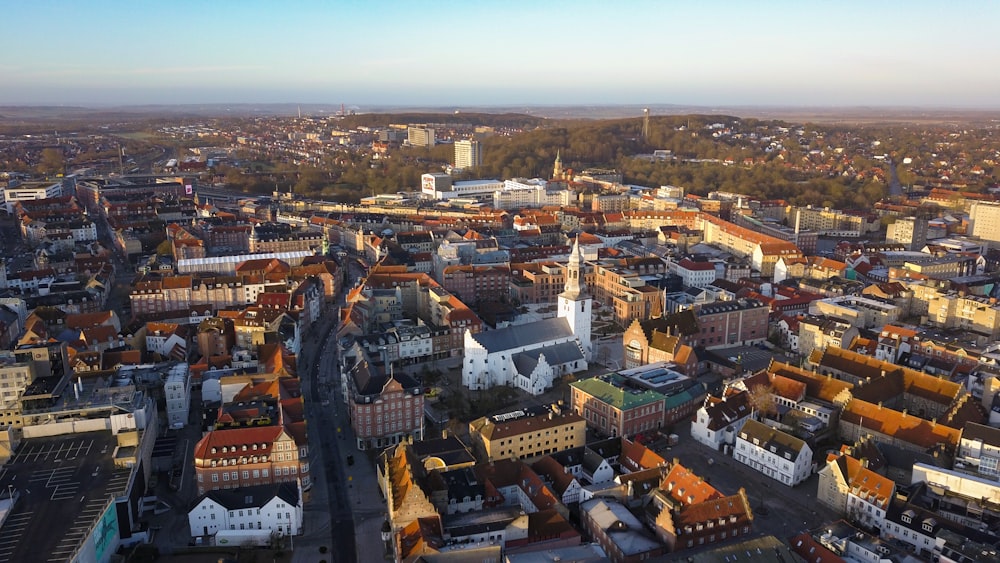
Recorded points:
(984, 221)
(695, 274)
(534, 192)
(22, 192)
(468, 154)
(979, 449)
(277, 508)
(441, 187)
(177, 389)
(719, 420)
(860, 312)
(911, 231)
(778, 455)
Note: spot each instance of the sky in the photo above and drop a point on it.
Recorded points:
(506, 53)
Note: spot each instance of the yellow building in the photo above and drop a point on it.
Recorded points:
(529, 433)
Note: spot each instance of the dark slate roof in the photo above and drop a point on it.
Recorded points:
(607, 448)
(681, 323)
(254, 497)
(555, 354)
(450, 450)
(370, 380)
(523, 335)
(981, 433)
(525, 364)
(570, 457)
(463, 483)
(767, 436)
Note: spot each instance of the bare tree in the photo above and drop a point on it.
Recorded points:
(761, 399)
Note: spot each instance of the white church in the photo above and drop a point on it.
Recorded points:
(531, 356)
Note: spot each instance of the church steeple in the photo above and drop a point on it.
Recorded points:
(557, 170)
(574, 288)
(574, 302)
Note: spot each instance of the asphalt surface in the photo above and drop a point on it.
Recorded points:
(344, 510)
(778, 509)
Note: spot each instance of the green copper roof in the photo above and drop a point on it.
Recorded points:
(613, 394)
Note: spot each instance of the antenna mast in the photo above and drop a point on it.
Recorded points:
(645, 124)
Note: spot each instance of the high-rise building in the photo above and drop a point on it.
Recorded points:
(468, 154)
(911, 231)
(984, 221)
(420, 136)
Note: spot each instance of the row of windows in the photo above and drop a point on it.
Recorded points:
(257, 474)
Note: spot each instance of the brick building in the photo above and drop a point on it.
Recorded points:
(385, 408)
(245, 457)
(731, 323)
(474, 284)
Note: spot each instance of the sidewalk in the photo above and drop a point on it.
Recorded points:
(367, 504)
(331, 422)
(316, 515)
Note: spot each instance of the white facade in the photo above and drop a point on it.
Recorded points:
(778, 455)
(440, 186)
(28, 193)
(958, 483)
(865, 510)
(984, 221)
(280, 511)
(575, 305)
(717, 424)
(521, 192)
(468, 154)
(531, 356)
(163, 343)
(177, 389)
(696, 274)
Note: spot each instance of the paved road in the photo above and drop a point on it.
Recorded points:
(788, 510)
(346, 509)
(329, 521)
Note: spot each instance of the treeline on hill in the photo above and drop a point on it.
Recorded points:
(500, 120)
(614, 144)
(591, 144)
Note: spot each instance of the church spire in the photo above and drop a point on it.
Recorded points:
(574, 288)
(557, 170)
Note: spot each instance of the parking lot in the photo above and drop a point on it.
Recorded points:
(778, 509)
(61, 483)
(52, 452)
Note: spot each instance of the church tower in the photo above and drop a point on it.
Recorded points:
(575, 303)
(557, 170)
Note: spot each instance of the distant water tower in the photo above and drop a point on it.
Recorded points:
(645, 124)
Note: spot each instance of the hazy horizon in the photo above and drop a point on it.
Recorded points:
(914, 55)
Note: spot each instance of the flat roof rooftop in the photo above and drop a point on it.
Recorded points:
(63, 485)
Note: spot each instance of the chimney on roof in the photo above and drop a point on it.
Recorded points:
(880, 405)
